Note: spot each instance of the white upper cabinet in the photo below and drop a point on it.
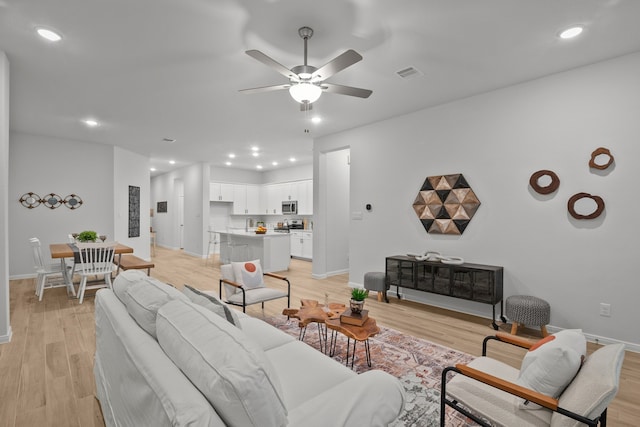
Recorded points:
(305, 197)
(246, 199)
(253, 199)
(220, 192)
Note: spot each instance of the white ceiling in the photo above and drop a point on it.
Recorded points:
(154, 69)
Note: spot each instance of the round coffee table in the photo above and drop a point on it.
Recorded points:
(357, 333)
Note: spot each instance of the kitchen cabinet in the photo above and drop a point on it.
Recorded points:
(302, 244)
(274, 198)
(246, 199)
(474, 282)
(305, 197)
(220, 192)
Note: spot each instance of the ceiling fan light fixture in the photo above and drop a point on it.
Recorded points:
(305, 92)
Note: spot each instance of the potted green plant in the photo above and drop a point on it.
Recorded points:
(358, 296)
(87, 236)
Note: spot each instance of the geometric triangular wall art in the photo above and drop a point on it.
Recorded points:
(445, 204)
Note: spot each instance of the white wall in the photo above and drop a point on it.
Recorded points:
(497, 140)
(293, 173)
(5, 324)
(222, 174)
(46, 165)
(337, 211)
(131, 169)
(195, 182)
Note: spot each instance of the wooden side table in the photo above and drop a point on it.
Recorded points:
(357, 333)
(313, 312)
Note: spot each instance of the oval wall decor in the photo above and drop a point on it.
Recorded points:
(72, 201)
(52, 201)
(30, 200)
(601, 151)
(553, 185)
(578, 196)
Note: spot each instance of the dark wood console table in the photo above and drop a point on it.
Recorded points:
(473, 282)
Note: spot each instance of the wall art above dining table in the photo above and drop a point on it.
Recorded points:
(31, 200)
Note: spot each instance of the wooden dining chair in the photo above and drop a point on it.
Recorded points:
(96, 259)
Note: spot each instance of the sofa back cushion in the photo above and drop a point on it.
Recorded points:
(595, 386)
(232, 372)
(126, 279)
(211, 302)
(144, 298)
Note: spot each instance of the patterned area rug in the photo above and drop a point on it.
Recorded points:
(417, 363)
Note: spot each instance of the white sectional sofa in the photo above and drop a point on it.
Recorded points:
(167, 359)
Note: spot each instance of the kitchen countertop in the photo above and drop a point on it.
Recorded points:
(269, 233)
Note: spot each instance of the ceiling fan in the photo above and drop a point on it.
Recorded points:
(306, 82)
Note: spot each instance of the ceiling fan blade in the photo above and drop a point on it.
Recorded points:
(266, 60)
(346, 90)
(339, 63)
(265, 89)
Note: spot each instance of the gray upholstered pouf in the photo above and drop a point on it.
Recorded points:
(376, 281)
(528, 310)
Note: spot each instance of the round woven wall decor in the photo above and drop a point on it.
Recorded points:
(553, 185)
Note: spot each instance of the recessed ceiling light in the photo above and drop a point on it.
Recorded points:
(292, 159)
(274, 163)
(232, 156)
(90, 122)
(47, 34)
(255, 154)
(316, 119)
(172, 162)
(228, 163)
(152, 169)
(254, 148)
(572, 32)
(259, 167)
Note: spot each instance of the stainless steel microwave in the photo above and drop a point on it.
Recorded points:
(290, 207)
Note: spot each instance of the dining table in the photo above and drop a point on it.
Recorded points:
(63, 251)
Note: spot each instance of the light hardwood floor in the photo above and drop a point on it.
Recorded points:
(46, 376)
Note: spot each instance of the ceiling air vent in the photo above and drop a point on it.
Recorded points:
(409, 72)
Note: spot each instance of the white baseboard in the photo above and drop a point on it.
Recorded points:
(23, 276)
(6, 338)
(550, 328)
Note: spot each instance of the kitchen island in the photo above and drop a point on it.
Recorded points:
(272, 249)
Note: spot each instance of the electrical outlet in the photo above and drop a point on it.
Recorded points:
(605, 309)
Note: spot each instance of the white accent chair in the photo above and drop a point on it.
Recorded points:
(486, 390)
(44, 270)
(239, 295)
(96, 259)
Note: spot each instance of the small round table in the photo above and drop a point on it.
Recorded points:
(357, 333)
(313, 312)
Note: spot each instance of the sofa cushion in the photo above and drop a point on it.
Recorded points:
(594, 388)
(248, 274)
(263, 334)
(550, 365)
(211, 302)
(143, 299)
(233, 373)
(124, 280)
(305, 372)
